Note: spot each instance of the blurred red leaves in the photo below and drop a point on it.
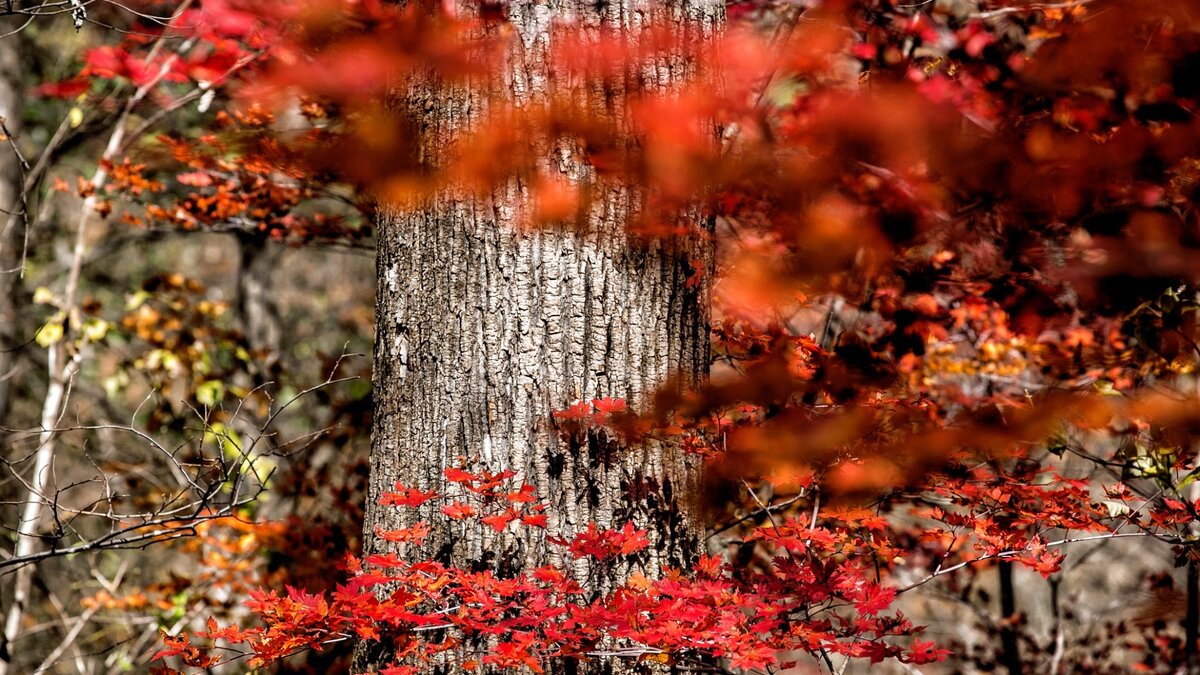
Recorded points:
(945, 245)
(67, 89)
(844, 177)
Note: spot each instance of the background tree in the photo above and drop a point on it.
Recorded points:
(124, 330)
(12, 237)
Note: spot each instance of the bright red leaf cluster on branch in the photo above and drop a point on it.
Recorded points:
(802, 600)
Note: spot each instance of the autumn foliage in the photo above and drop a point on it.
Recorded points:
(954, 317)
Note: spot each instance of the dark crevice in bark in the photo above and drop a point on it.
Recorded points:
(1191, 622)
(1010, 654)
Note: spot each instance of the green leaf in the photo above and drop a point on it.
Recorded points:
(226, 439)
(210, 392)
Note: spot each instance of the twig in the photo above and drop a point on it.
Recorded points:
(1036, 7)
(1012, 554)
(773, 507)
(67, 641)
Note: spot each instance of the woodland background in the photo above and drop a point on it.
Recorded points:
(949, 425)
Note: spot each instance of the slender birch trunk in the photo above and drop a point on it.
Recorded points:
(11, 238)
(12, 231)
(62, 363)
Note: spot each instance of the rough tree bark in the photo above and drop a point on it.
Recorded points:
(484, 328)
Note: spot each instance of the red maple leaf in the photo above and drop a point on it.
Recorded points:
(458, 510)
(499, 521)
(873, 599)
(406, 497)
(577, 412)
(71, 88)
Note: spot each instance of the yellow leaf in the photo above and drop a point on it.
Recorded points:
(95, 329)
(50, 334)
(44, 296)
(134, 301)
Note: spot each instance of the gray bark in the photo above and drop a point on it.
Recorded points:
(484, 328)
(257, 309)
(11, 238)
(12, 231)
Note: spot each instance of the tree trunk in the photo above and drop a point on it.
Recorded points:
(12, 223)
(12, 232)
(484, 328)
(257, 309)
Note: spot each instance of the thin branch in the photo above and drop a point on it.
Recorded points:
(1013, 554)
(1035, 7)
